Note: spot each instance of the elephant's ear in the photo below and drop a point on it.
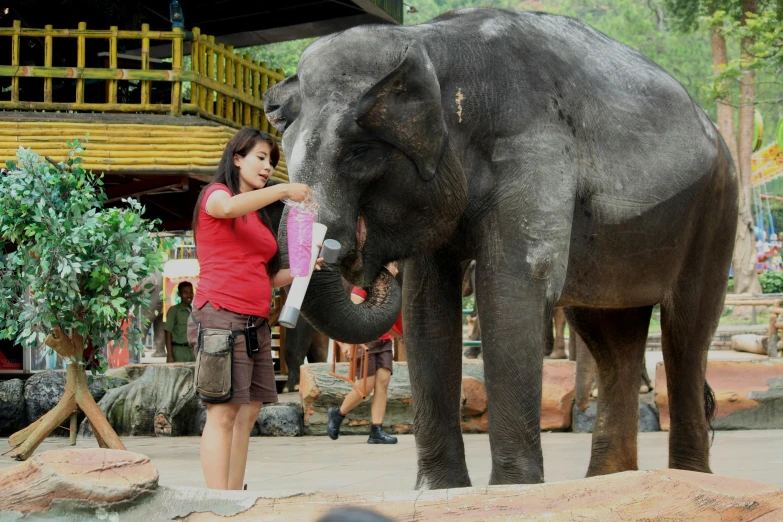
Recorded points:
(404, 109)
(282, 103)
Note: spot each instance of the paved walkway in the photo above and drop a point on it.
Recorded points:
(349, 464)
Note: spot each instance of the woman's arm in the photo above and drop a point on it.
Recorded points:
(222, 205)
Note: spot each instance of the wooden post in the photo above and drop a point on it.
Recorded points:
(74, 428)
(255, 118)
(239, 86)
(203, 50)
(113, 64)
(264, 86)
(248, 87)
(210, 105)
(48, 63)
(145, 64)
(229, 101)
(176, 68)
(80, 60)
(15, 59)
(76, 396)
(195, 65)
(221, 78)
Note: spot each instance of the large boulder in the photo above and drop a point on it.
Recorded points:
(749, 394)
(77, 478)
(44, 390)
(281, 419)
(12, 411)
(161, 401)
(320, 391)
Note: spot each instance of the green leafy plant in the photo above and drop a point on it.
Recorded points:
(771, 282)
(76, 274)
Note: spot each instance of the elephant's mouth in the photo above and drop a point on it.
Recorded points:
(361, 232)
(353, 262)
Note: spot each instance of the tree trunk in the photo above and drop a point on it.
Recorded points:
(77, 395)
(744, 258)
(745, 278)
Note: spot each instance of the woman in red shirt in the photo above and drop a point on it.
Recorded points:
(239, 266)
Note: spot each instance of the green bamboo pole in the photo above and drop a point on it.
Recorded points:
(176, 68)
(15, 59)
(80, 61)
(112, 98)
(145, 65)
(48, 63)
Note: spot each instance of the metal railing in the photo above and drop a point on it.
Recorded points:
(225, 87)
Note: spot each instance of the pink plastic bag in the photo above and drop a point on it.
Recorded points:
(301, 217)
(300, 241)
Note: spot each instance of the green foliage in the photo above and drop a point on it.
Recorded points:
(764, 56)
(77, 265)
(771, 282)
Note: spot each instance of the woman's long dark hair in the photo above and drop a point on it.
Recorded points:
(227, 173)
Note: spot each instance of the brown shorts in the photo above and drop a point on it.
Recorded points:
(380, 357)
(252, 379)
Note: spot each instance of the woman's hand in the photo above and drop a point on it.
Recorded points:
(320, 260)
(297, 191)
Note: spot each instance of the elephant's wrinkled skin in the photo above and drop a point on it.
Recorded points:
(573, 169)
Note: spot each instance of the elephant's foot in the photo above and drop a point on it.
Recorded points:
(443, 479)
(517, 471)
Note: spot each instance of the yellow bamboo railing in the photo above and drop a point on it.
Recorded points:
(225, 87)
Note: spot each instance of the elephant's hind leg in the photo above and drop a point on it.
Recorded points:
(617, 340)
(688, 322)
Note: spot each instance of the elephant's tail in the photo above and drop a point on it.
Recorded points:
(709, 408)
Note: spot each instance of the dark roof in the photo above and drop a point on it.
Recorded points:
(240, 23)
(269, 21)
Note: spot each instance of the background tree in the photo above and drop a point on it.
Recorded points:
(73, 280)
(753, 27)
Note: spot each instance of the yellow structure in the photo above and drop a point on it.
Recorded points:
(212, 96)
(767, 164)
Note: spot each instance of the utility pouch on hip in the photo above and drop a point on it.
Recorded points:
(214, 363)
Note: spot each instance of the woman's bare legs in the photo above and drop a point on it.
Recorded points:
(243, 425)
(216, 444)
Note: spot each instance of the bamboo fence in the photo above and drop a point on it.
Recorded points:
(225, 87)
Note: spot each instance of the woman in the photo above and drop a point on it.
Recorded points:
(239, 266)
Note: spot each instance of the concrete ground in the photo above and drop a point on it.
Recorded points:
(351, 465)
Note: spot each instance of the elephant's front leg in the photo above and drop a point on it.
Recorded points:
(515, 312)
(433, 337)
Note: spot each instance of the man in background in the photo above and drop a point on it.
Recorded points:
(178, 348)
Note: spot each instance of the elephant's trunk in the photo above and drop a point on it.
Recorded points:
(329, 309)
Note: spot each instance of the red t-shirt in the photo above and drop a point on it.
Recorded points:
(397, 326)
(233, 261)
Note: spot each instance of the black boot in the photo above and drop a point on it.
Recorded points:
(333, 421)
(378, 436)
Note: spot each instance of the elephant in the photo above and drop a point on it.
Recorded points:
(574, 170)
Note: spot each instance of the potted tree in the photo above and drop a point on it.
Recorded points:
(73, 280)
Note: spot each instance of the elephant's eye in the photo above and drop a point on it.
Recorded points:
(359, 152)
